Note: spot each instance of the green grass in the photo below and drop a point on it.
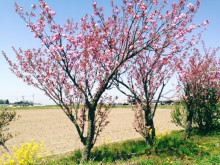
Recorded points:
(130, 106)
(32, 107)
(164, 106)
(57, 107)
(170, 149)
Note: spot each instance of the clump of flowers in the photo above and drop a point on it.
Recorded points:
(203, 147)
(168, 160)
(159, 134)
(29, 153)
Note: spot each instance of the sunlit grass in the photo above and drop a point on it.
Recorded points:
(170, 149)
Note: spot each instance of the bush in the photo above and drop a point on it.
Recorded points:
(178, 115)
(206, 116)
(6, 117)
(206, 112)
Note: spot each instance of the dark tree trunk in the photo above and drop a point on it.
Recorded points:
(90, 136)
(189, 123)
(149, 123)
(200, 118)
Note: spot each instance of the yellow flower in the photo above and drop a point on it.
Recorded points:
(150, 131)
(47, 152)
(27, 154)
(108, 141)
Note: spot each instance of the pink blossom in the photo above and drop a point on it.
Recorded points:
(47, 8)
(94, 4)
(130, 5)
(191, 27)
(183, 15)
(198, 3)
(190, 6)
(33, 6)
(79, 36)
(16, 5)
(52, 12)
(137, 17)
(164, 28)
(193, 43)
(155, 2)
(155, 46)
(143, 6)
(205, 22)
(101, 9)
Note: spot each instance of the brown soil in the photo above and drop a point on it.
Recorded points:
(58, 133)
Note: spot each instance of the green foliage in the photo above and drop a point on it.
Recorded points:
(6, 117)
(206, 113)
(178, 115)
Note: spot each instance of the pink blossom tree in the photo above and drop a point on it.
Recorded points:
(145, 83)
(78, 61)
(199, 85)
(149, 72)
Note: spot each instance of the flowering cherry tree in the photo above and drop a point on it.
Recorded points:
(78, 61)
(149, 72)
(199, 84)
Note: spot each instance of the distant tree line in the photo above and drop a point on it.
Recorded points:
(26, 103)
(4, 101)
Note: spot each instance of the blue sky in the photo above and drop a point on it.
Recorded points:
(13, 32)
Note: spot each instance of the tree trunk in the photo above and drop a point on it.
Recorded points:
(151, 136)
(149, 123)
(90, 136)
(200, 114)
(86, 152)
(189, 123)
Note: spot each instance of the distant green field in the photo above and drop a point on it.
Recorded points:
(130, 106)
(57, 107)
(31, 108)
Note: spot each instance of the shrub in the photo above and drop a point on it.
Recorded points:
(199, 88)
(6, 117)
(206, 112)
(178, 115)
